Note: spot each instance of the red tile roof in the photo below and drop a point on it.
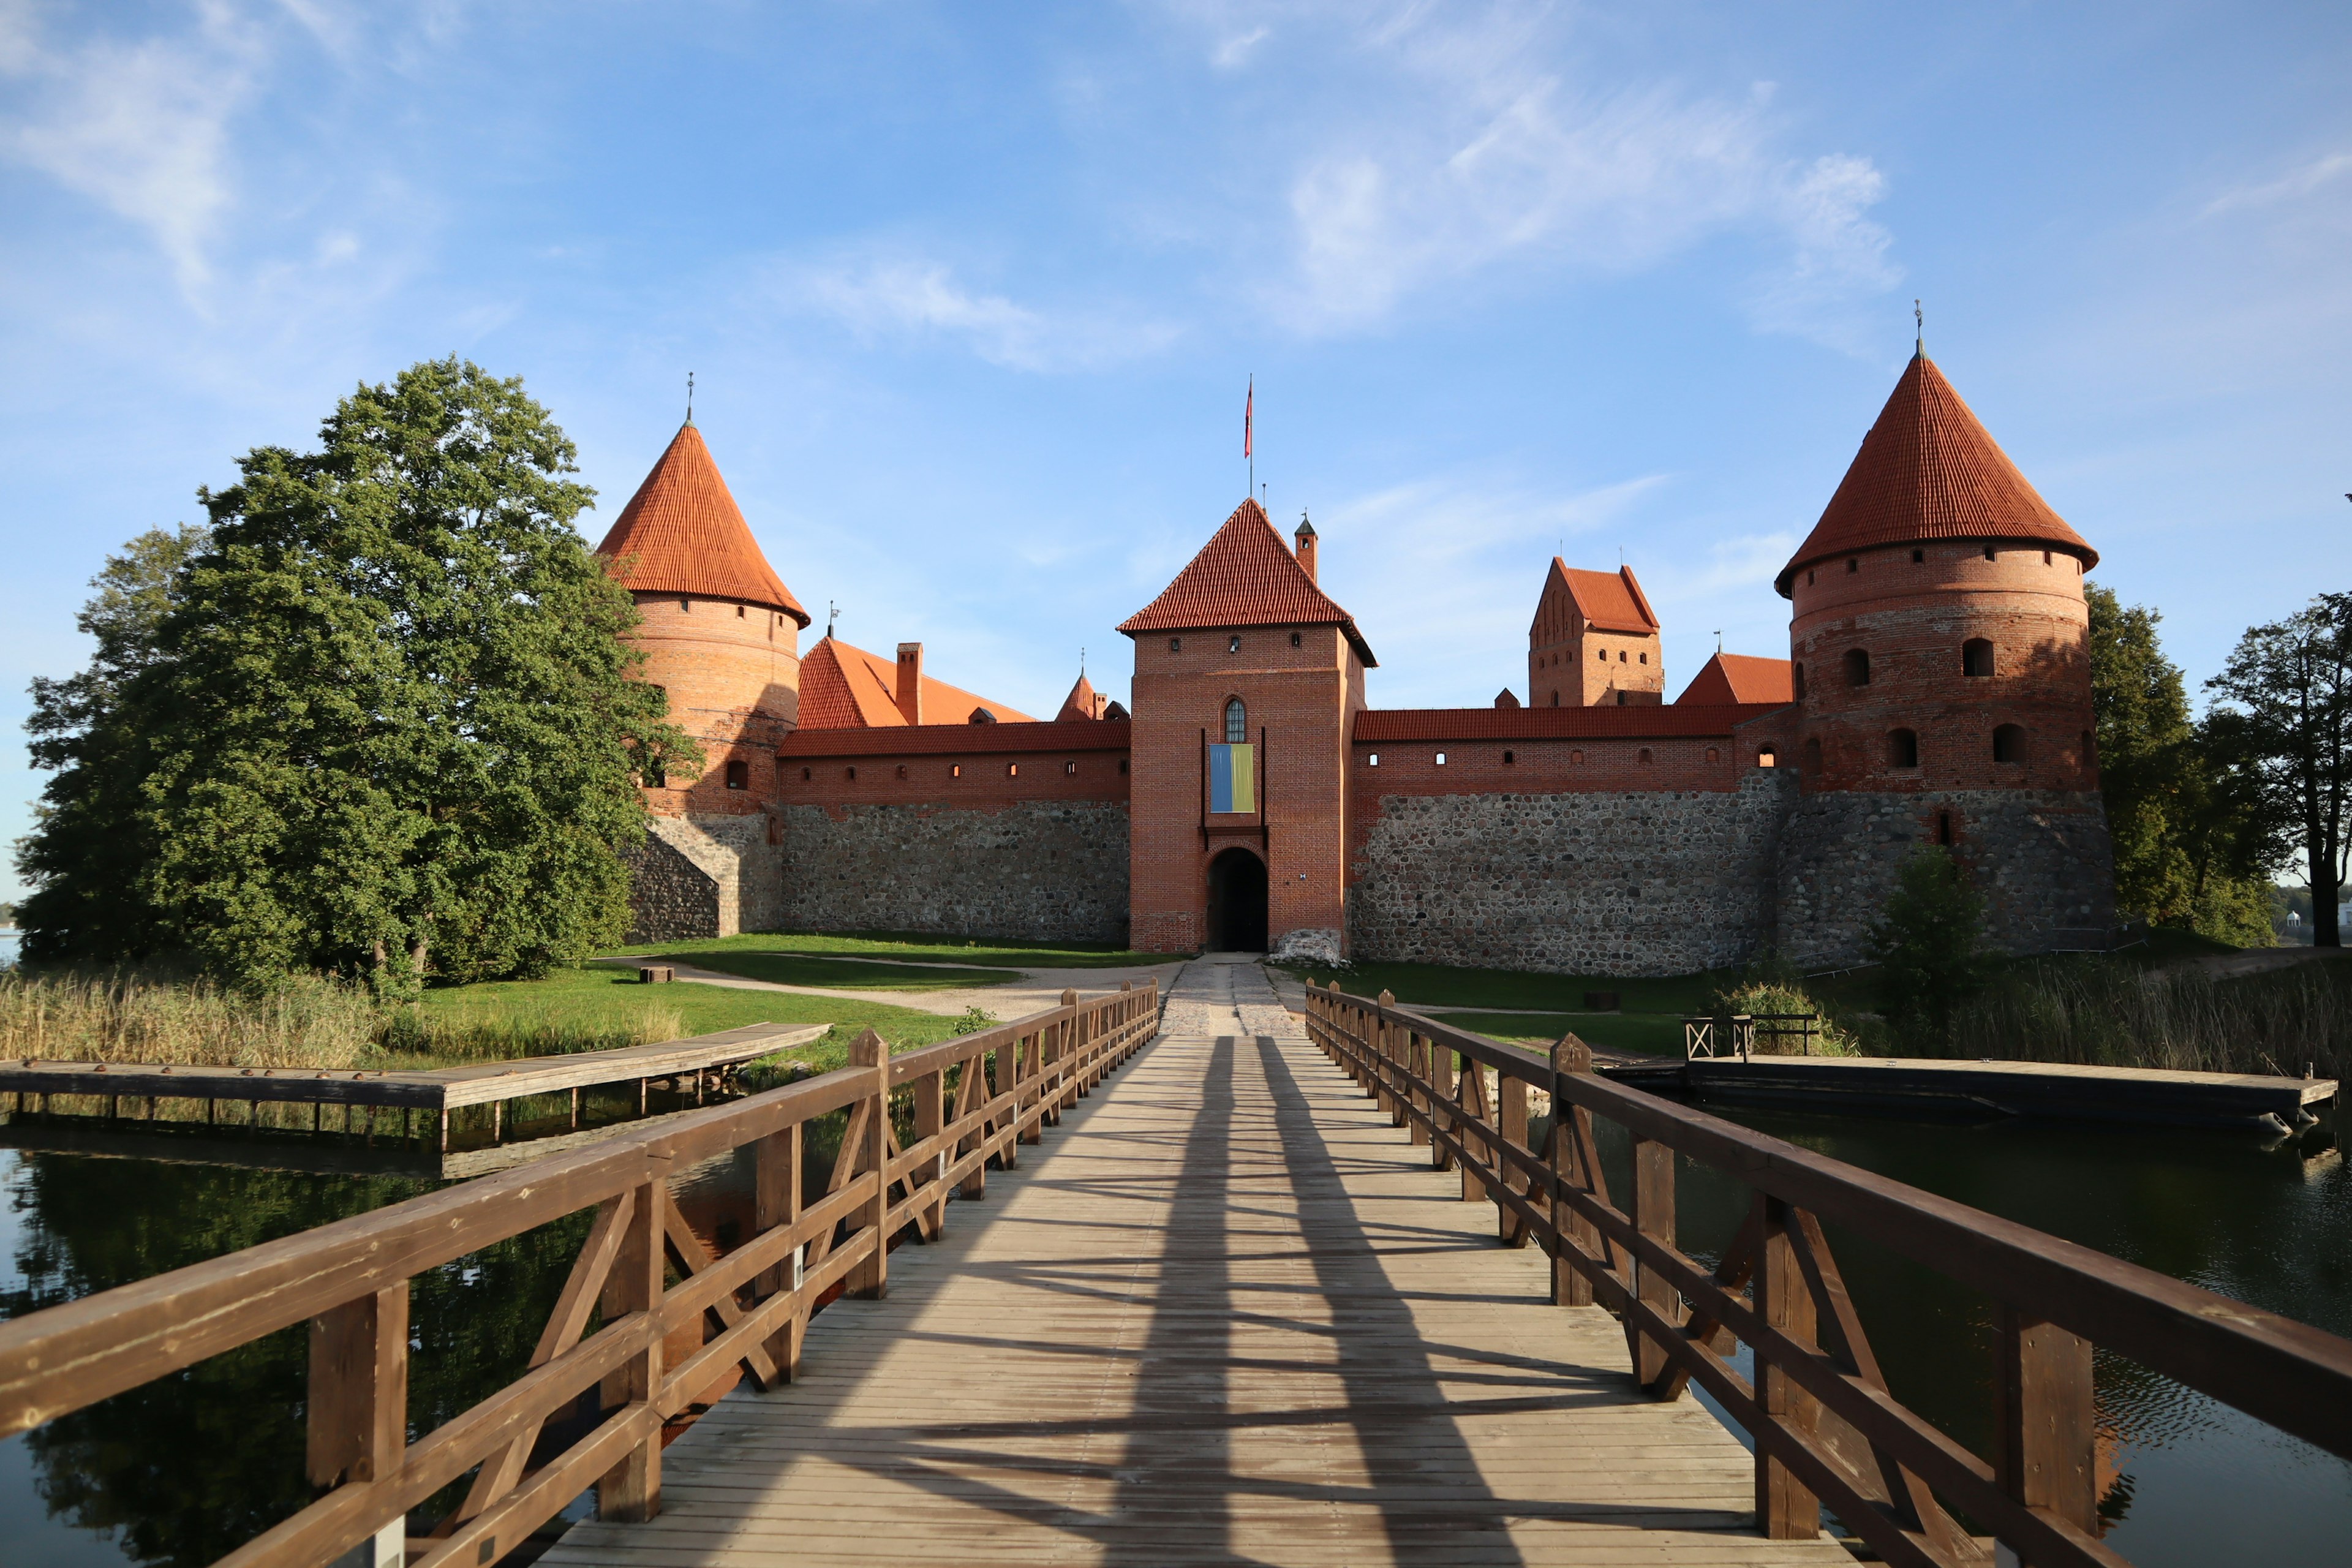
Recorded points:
(951, 740)
(1649, 722)
(1608, 600)
(1083, 702)
(1734, 677)
(683, 533)
(1245, 576)
(845, 688)
(1929, 470)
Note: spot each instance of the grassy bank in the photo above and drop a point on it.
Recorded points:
(1528, 1008)
(983, 952)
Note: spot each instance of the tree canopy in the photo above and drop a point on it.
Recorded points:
(376, 716)
(2192, 844)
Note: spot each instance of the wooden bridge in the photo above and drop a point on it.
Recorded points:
(1272, 1290)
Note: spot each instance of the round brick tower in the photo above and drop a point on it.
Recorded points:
(1940, 638)
(721, 638)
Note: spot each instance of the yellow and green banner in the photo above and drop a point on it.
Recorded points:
(1233, 778)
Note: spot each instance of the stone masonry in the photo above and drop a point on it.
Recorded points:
(1611, 883)
(1048, 870)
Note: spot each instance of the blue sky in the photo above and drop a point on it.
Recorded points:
(970, 291)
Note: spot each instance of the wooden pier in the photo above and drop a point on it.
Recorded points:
(1231, 1290)
(36, 1084)
(1934, 1085)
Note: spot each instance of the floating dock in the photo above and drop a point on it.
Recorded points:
(1934, 1085)
(436, 1091)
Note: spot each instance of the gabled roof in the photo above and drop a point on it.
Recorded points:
(1608, 601)
(1736, 678)
(683, 533)
(1083, 702)
(845, 688)
(1927, 471)
(1245, 576)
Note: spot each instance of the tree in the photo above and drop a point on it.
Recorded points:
(387, 725)
(89, 845)
(2192, 844)
(1929, 946)
(2288, 690)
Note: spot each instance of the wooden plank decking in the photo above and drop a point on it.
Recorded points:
(1226, 1313)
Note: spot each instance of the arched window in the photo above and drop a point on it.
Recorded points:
(1903, 748)
(1976, 657)
(1766, 757)
(1555, 699)
(1797, 674)
(1857, 667)
(1237, 723)
(2009, 744)
(739, 775)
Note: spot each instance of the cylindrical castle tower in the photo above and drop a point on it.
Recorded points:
(1943, 685)
(721, 638)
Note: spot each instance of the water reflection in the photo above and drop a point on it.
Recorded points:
(2186, 1480)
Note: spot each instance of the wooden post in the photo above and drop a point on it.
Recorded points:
(776, 1201)
(1570, 1287)
(929, 1106)
(1384, 1051)
(1417, 1052)
(1072, 1037)
(359, 1389)
(2043, 1435)
(1653, 1216)
(630, 1490)
(871, 1279)
(1511, 1122)
(1008, 1073)
(1785, 1509)
(1440, 1092)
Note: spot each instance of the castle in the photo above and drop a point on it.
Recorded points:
(1938, 691)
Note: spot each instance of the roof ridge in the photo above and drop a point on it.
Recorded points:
(1245, 576)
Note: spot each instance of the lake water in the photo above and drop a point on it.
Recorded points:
(185, 1468)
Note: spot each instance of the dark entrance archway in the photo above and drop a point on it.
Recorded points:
(1237, 902)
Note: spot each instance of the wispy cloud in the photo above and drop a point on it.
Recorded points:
(2303, 182)
(141, 127)
(914, 298)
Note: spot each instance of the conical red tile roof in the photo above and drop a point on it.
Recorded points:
(1083, 702)
(683, 533)
(1245, 576)
(1929, 470)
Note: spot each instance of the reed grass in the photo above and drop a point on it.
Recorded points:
(309, 1021)
(2110, 1013)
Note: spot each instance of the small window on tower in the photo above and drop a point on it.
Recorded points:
(1989, 553)
(1506, 758)
(1373, 761)
(2009, 744)
(1808, 579)
(806, 774)
(1645, 658)
(686, 604)
(1234, 644)
(955, 770)
(1295, 640)
(1917, 556)
(1175, 645)
(738, 609)
(1903, 748)
(1944, 827)
(849, 772)
(1441, 759)
(1013, 770)
(1976, 657)
(1620, 656)
(2045, 558)
(1857, 667)
(739, 775)
(1852, 564)
(902, 770)
(1797, 676)
(1766, 757)
(1555, 699)
(1069, 769)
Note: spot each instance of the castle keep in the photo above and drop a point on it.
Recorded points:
(1938, 691)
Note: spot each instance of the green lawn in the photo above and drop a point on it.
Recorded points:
(987, 953)
(1653, 1034)
(1511, 990)
(597, 999)
(805, 969)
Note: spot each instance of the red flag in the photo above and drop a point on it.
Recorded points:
(1249, 411)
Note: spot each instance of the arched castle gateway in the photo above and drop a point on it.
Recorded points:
(1938, 691)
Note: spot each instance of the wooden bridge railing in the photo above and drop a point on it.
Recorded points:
(1825, 1429)
(974, 1097)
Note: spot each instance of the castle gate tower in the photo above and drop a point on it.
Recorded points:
(721, 638)
(1943, 684)
(1248, 678)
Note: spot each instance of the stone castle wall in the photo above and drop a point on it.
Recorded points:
(1048, 869)
(1617, 882)
(2040, 858)
(703, 875)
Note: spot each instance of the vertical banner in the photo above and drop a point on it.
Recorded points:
(1233, 778)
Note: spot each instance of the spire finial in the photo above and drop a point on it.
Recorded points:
(1920, 320)
(1082, 661)
(690, 397)
(832, 613)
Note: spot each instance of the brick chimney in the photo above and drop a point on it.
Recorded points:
(910, 682)
(1306, 537)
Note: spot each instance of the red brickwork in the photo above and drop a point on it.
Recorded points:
(1300, 702)
(971, 767)
(1921, 721)
(1594, 642)
(731, 671)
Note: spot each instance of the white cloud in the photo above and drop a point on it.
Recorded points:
(1235, 52)
(915, 297)
(139, 127)
(2303, 182)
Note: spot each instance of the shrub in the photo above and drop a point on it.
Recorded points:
(1929, 946)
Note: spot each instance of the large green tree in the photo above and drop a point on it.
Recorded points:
(386, 724)
(2191, 840)
(2288, 691)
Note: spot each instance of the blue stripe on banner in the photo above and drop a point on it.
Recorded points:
(1221, 778)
